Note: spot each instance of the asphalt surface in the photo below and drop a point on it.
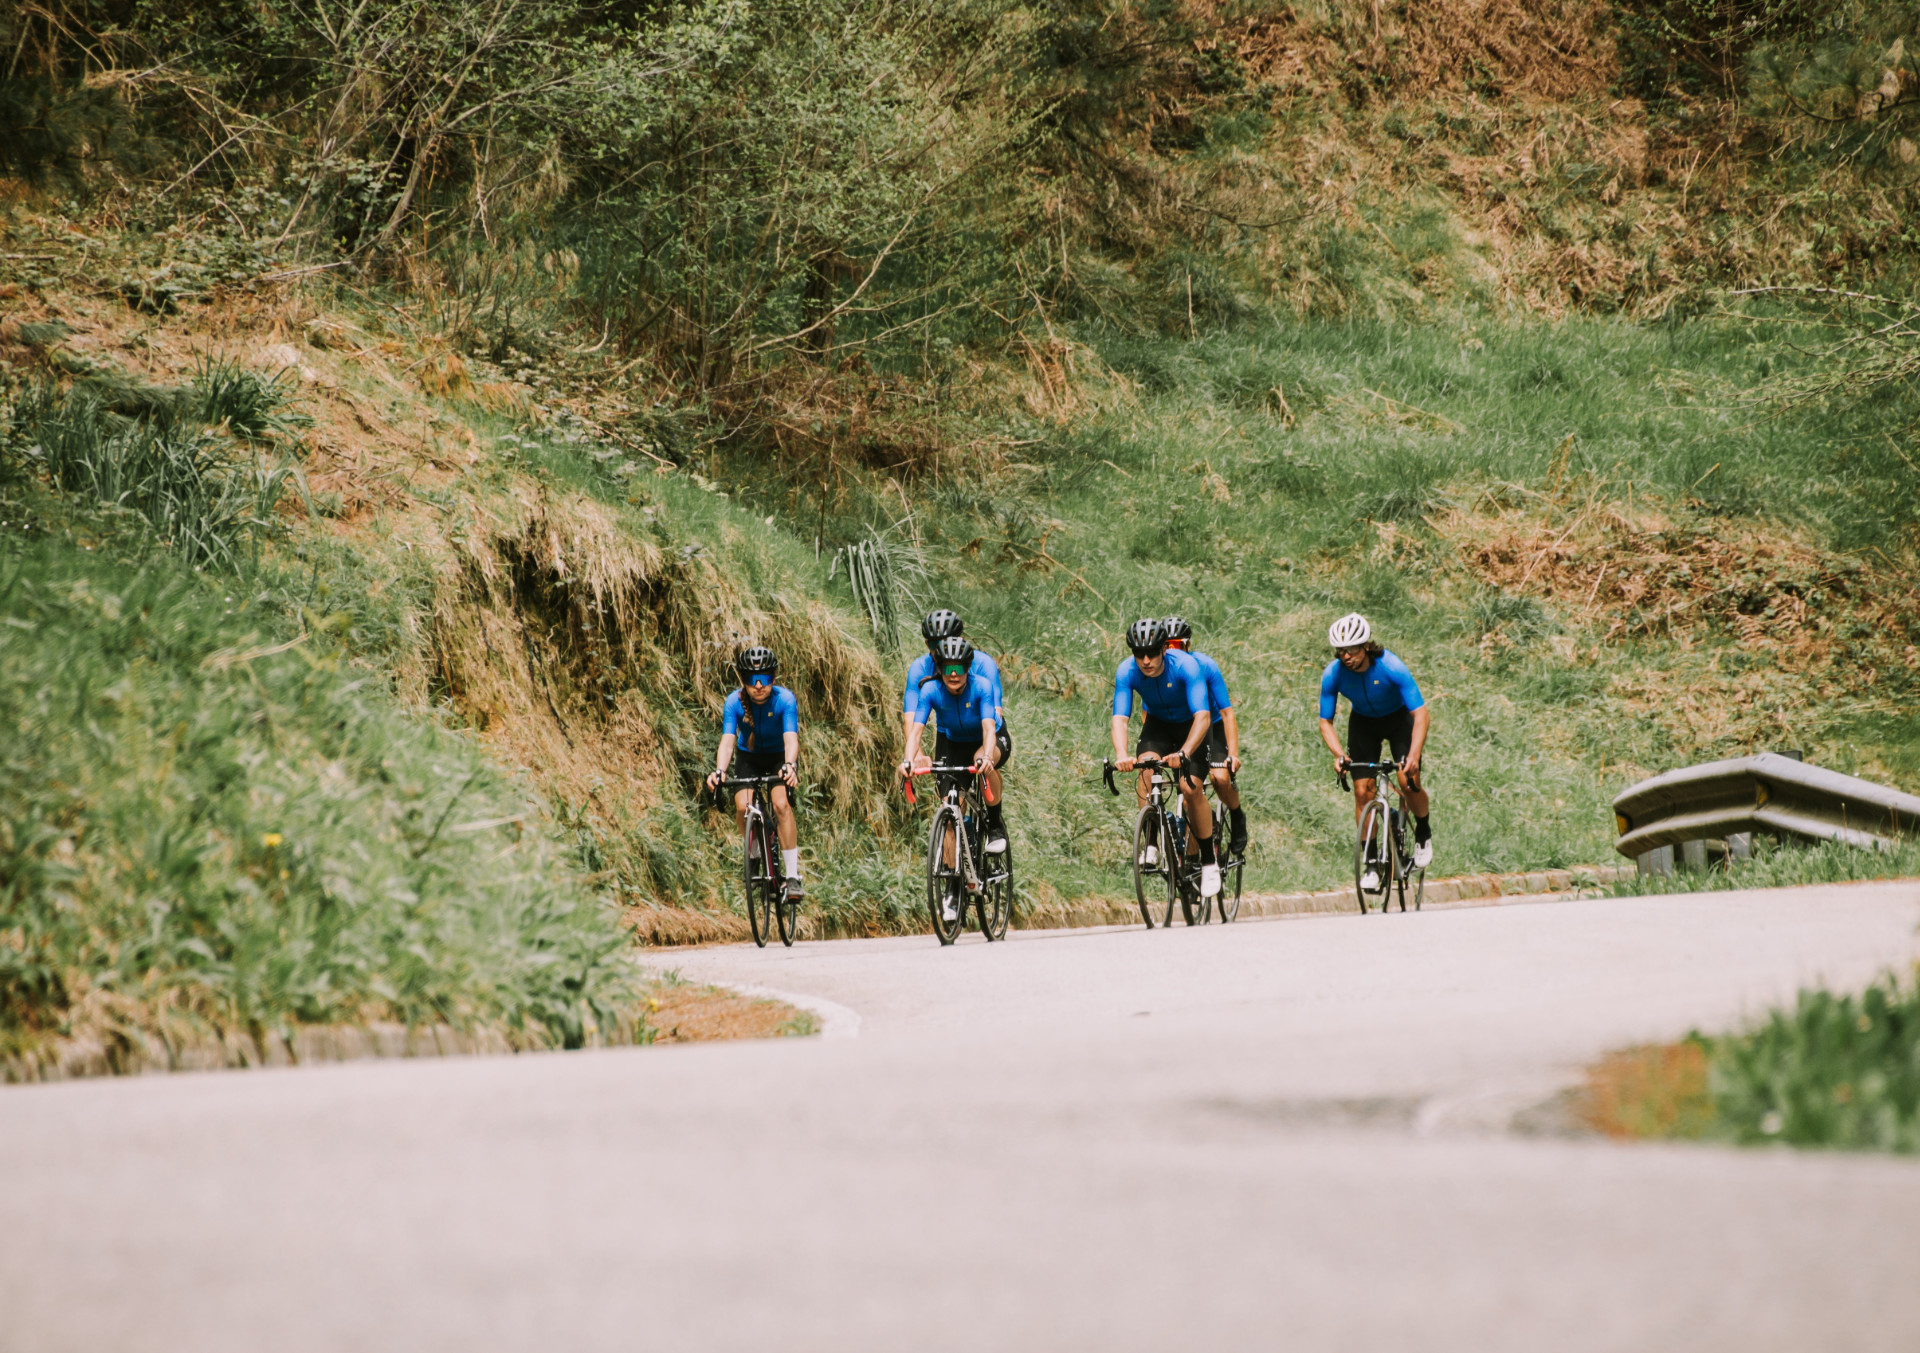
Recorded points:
(1288, 1134)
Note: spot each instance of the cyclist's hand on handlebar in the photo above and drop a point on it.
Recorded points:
(983, 759)
(923, 764)
(1411, 766)
(1233, 765)
(790, 774)
(1340, 764)
(1125, 763)
(713, 781)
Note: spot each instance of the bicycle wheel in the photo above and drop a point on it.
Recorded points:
(996, 898)
(789, 916)
(1373, 830)
(1229, 900)
(759, 883)
(1396, 860)
(1173, 854)
(1146, 832)
(1396, 841)
(1195, 909)
(945, 881)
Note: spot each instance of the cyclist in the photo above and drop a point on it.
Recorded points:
(1384, 705)
(1223, 734)
(961, 703)
(762, 721)
(944, 624)
(1173, 690)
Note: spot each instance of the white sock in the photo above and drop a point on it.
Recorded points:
(792, 860)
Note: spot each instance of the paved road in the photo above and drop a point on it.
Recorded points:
(1289, 1134)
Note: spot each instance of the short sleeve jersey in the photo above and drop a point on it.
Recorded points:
(922, 672)
(1218, 701)
(1386, 687)
(1175, 696)
(958, 715)
(757, 728)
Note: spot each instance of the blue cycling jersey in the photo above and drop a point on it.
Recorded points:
(922, 672)
(1218, 701)
(764, 722)
(1175, 696)
(1386, 687)
(959, 715)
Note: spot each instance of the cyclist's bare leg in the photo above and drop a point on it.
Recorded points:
(1143, 785)
(1363, 794)
(990, 787)
(1224, 786)
(783, 819)
(1195, 797)
(742, 799)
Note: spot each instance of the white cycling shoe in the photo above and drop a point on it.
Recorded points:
(949, 912)
(997, 845)
(1423, 853)
(1150, 857)
(1370, 881)
(1209, 880)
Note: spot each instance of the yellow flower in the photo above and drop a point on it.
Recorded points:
(271, 839)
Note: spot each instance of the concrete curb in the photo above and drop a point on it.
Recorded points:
(1466, 887)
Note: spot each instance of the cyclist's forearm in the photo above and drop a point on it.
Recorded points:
(1232, 724)
(790, 748)
(1420, 721)
(913, 740)
(1120, 724)
(1331, 736)
(906, 729)
(724, 757)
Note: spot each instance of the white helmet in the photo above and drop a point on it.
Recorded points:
(1349, 630)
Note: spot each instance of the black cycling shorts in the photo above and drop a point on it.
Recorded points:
(1162, 737)
(1004, 741)
(1366, 733)
(747, 764)
(953, 754)
(1217, 743)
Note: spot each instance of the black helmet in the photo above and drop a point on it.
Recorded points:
(1178, 630)
(1147, 637)
(953, 648)
(940, 624)
(756, 660)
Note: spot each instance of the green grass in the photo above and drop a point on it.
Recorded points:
(1836, 1070)
(1191, 493)
(214, 824)
(1783, 865)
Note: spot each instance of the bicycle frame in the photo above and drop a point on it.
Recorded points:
(1381, 835)
(1183, 879)
(758, 815)
(990, 893)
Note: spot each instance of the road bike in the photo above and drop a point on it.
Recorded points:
(766, 884)
(1232, 867)
(1160, 862)
(1381, 841)
(960, 872)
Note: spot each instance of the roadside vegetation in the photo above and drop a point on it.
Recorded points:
(1836, 1070)
(444, 392)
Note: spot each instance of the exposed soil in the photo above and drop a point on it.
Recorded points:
(680, 1012)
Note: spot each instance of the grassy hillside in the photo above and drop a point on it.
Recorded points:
(426, 402)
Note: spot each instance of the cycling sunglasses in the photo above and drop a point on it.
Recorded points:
(955, 670)
(1150, 652)
(759, 679)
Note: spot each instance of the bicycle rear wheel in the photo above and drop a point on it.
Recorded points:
(945, 882)
(1147, 833)
(1228, 903)
(759, 883)
(789, 916)
(1195, 909)
(1397, 852)
(996, 897)
(1372, 833)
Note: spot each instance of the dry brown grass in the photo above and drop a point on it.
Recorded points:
(1654, 1091)
(1817, 631)
(685, 1013)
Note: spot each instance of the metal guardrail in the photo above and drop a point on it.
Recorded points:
(1728, 800)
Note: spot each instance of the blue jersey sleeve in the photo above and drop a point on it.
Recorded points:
(924, 696)
(917, 672)
(789, 712)
(730, 720)
(984, 666)
(1123, 689)
(1197, 690)
(1403, 679)
(1330, 690)
(1217, 698)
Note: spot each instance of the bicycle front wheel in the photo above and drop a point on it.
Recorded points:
(996, 896)
(1371, 839)
(758, 874)
(1146, 880)
(1397, 857)
(946, 888)
(789, 916)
